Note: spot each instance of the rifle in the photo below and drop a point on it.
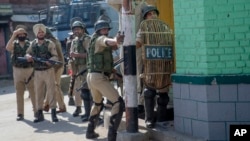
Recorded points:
(85, 70)
(72, 81)
(118, 62)
(42, 60)
(30, 77)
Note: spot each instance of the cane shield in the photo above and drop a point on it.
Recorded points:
(157, 53)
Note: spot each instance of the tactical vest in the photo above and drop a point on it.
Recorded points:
(41, 51)
(20, 52)
(78, 47)
(101, 61)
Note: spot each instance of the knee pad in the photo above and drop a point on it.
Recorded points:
(121, 104)
(85, 94)
(148, 93)
(163, 99)
(101, 105)
(115, 119)
(97, 107)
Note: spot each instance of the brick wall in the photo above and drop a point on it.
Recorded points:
(212, 108)
(211, 86)
(212, 36)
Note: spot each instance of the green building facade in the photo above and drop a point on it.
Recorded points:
(211, 86)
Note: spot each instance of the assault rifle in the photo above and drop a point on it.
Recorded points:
(72, 83)
(85, 70)
(42, 60)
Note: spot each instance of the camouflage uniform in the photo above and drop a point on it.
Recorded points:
(100, 65)
(79, 45)
(58, 73)
(22, 74)
(44, 76)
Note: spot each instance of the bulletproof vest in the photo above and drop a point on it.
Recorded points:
(41, 51)
(78, 47)
(101, 61)
(20, 52)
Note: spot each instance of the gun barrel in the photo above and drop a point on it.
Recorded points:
(82, 72)
(118, 61)
(45, 60)
(22, 58)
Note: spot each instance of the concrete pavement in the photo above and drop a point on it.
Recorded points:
(68, 128)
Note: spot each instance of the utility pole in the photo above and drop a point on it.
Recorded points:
(129, 50)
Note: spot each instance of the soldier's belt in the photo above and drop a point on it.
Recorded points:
(105, 73)
(23, 66)
(42, 69)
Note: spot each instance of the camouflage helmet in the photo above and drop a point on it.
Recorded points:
(147, 9)
(101, 24)
(78, 24)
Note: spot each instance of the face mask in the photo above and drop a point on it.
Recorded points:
(22, 38)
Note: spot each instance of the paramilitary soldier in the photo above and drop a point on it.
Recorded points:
(100, 65)
(58, 72)
(69, 39)
(22, 71)
(150, 13)
(44, 76)
(78, 53)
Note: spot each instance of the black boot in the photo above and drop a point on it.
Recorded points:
(91, 134)
(71, 101)
(112, 134)
(161, 113)
(35, 114)
(149, 108)
(141, 111)
(93, 120)
(53, 115)
(39, 117)
(19, 117)
(77, 111)
(162, 102)
(115, 119)
(87, 107)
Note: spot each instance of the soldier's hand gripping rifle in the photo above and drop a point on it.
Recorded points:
(72, 82)
(42, 60)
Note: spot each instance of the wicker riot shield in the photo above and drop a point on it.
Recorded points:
(157, 53)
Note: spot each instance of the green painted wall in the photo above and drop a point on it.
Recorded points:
(212, 36)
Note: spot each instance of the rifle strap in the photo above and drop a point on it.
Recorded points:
(30, 77)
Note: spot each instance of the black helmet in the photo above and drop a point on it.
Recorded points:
(78, 24)
(100, 24)
(148, 8)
